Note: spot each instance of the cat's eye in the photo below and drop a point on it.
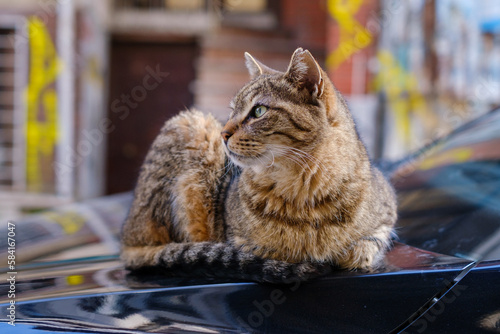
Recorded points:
(259, 111)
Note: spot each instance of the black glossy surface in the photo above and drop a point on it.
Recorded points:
(336, 303)
(472, 306)
(101, 296)
(449, 198)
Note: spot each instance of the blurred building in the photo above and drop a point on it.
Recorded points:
(53, 58)
(437, 66)
(85, 85)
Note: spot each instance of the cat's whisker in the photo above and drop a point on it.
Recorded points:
(304, 155)
(310, 157)
(298, 161)
(259, 156)
(228, 166)
(296, 157)
(285, 154)
(272, 163)
(260, 160)
(227, 163)
(302, 158)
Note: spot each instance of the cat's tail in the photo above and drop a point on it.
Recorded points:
(207, 259)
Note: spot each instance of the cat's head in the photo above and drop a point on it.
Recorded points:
(278, 111)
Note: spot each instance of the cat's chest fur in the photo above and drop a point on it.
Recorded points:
(295, 212)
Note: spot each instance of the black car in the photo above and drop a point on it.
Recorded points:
(441, 276)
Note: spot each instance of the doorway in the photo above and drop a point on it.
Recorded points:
(149, 82)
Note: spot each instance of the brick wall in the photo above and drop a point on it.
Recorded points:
(221, 68)
(306, 21)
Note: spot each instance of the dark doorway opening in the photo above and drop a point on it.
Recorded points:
(149, 83)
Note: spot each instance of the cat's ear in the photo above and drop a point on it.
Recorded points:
(256, 68)
(305, 71)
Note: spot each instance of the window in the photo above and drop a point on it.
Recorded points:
(6, 108)
(13, 76)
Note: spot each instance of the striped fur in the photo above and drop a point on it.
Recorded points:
(221, 260)
(285, 193)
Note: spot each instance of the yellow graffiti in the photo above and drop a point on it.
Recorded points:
(41, 124)
(454, 156)
(352, 35)
(75, 279)
(403, 95)
(70, 221)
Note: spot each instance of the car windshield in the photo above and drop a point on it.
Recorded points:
(449, 197)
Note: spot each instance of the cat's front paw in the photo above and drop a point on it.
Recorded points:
(365, 254)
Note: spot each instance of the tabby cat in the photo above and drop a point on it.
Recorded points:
(286, 192)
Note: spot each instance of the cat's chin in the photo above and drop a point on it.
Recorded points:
(248, 162)
(257, 164)
(237, 159)
(241, 161)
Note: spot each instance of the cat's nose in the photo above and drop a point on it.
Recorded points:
(226, 135)
(228, 130)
